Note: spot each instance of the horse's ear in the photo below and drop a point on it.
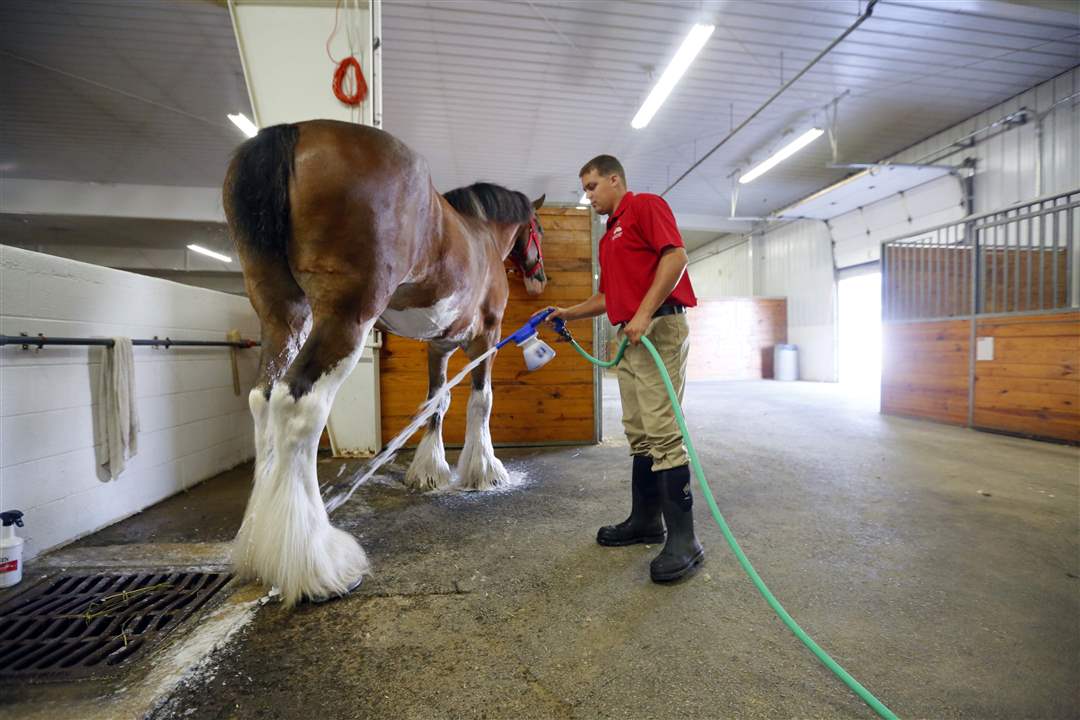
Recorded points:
(539, 202)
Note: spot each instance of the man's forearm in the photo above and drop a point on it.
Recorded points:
(596, 305)
(668, 273)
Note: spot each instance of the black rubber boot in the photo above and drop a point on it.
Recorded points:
(682, 553)
(644, 524)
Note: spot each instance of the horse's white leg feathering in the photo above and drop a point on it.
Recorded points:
(429, 469)
(478, 468)
(286, 539)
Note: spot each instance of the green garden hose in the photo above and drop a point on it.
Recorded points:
(864, 694)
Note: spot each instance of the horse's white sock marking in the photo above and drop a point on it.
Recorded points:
(478, 468)
(286, 538)
(429, 469)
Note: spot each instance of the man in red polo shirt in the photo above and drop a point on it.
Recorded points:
(644, 289)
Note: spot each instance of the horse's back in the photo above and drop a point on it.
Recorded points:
(354, 152)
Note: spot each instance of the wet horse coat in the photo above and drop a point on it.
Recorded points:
(339, 229)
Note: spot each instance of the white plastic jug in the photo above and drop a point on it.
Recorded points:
(11, 549)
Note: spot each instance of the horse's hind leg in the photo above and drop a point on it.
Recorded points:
(429, 469)
(285, 317)
(294, 545)
(478, 468)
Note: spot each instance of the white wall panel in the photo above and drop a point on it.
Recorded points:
(1007, 162)
(795, 261)
(725, 274)
(192, 424)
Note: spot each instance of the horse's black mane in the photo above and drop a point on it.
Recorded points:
(490, 202)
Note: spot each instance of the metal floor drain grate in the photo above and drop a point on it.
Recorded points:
(78, 626)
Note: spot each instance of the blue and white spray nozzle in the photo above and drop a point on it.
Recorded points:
(537, 352)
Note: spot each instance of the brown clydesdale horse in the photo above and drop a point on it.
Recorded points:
(339, 229)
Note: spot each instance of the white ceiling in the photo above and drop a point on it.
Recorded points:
(523, 92)
(122, 91)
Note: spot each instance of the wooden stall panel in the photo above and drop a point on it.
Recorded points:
(1032, 384)
(553, 404)
(925, 368)
(733, 338)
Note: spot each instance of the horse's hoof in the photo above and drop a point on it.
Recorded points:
(327, 598)
(482, 484)
(428, 479)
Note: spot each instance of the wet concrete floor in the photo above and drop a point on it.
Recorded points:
(938, 565)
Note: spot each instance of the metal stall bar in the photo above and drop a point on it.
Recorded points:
(1015, 227)
(903, 293)
(992, 280)
(1070, 240)
(924, 280)
(1042, 257)
(1030, 246)
(972, 232)
(1054, 231)
(938, 276)
(965, 269)
(40, 341)
(945, 285)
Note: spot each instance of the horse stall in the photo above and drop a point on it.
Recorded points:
(980, 329)
(559, 404)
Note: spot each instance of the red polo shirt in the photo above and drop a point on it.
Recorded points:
(639, 230)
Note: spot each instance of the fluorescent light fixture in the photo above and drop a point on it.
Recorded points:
(584, 199)
(209, 253)
(246, 126)
(783, 154)
(691, 46)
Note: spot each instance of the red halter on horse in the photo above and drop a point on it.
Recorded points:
(339, 229)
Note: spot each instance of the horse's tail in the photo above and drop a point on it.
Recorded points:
(256, 195)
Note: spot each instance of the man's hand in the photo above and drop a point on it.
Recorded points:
(635, 329)
(559, 313)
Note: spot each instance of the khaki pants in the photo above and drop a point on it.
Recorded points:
(648, 417)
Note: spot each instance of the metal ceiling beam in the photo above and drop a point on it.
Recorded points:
(862, 18)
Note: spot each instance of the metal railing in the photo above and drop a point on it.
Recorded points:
(1022, 258)
(40, 341)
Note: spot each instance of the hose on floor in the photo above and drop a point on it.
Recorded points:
(864, 694)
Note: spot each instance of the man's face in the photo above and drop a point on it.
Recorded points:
(601, 191)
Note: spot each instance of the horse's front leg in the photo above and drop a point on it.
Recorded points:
(429, 469)
(478, 468)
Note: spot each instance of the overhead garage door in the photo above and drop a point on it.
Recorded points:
(858, 234)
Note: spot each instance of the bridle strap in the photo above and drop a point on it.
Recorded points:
(530, 271)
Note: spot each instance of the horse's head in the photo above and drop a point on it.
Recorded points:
(527, 257)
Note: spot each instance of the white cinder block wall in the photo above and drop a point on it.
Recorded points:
(193, 425)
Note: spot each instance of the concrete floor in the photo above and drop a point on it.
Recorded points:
(938, 565)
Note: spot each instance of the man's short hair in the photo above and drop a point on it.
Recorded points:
(604, 165)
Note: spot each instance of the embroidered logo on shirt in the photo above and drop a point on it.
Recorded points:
(617, 232)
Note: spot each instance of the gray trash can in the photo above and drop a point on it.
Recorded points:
(786, 362)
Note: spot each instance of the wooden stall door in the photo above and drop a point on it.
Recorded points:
(555, 403)
(925, 368)
(1031, 385)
